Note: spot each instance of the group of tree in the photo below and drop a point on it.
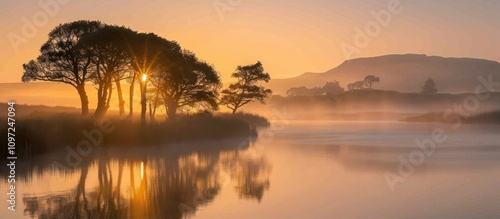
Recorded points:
(330, 88)
(365, 83)
(91, 52)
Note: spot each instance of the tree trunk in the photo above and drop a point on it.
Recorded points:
(83, 99)
(100, 101)
(131, 97)
(171, 110)
(108, 103)
(121, 101)
(155, 106)
(143, 103)
(151, 115)
(234, 110)
(103, 97)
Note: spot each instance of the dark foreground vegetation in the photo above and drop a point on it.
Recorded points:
(39, 133)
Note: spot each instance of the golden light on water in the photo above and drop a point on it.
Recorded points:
(142, 170)
(144, 77)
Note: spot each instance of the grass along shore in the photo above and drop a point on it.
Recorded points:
(38, 134)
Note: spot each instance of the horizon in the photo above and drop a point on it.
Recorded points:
(309, 72)
(227, 35)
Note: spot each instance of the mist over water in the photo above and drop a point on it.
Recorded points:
(319, 169)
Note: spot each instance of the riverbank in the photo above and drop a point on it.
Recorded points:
(38, 134)
(492, 117)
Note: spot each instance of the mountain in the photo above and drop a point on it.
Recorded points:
(404, 73)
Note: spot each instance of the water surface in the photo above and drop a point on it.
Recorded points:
(302, 169)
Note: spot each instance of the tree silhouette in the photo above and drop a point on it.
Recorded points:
(246, 89)
(150, 53)
(110, 57)
(429, 87)
(332, 87)
(370, 80)
(356, 85)
(63, 59)
(188, 82)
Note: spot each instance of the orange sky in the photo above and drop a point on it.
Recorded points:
(290, 37)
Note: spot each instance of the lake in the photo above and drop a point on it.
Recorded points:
(295, 169)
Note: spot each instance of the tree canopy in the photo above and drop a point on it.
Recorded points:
(189, 82)
(64, 59)
(365, 83)
(370, 80)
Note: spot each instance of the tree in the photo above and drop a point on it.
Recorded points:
(429, 87)
(63, 59)
(246, 90)
(188, 82)
(370, 80)
(356, 85)
(110, 58)
(332, 87)
(149, 54)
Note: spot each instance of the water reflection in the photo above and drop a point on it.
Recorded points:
(171, 183)
(366, 157)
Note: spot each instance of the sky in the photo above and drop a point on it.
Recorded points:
(289, 37)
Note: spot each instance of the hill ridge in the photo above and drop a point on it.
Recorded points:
(401, 72)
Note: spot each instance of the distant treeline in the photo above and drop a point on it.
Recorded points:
(371, 100)
(333, 87)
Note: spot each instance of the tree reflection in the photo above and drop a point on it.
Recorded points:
(159, 185)
(250, 173)
(252, 179)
